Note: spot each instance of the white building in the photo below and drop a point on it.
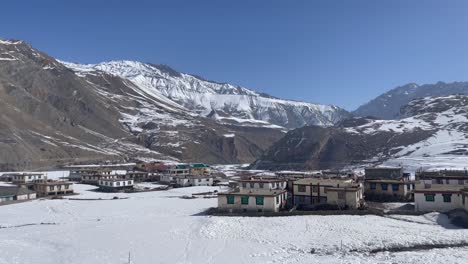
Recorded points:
(95, 178)
(19, 178)
(115, 184)
(245, 200)
(186, 181)
(437, 197)
(262, 184)
(14, 193)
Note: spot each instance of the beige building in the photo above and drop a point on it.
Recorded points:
(22, 178)
(95, 178)
(259, 200)
(46, 188)
(312, 192)
(14, 193)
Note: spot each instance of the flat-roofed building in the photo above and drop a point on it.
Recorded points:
(15, 193)
(312, 192)
(262, 183)
(95, 178)
(195, 180)
(383, 189)
(249, 200)
(52, 188)
(22, 178)
(115, 185)
(438, 197)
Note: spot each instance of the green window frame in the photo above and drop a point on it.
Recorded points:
(430, 197)
(447, 198)
(259, 200)
(51, 187)
(244, 200)
(230, 199)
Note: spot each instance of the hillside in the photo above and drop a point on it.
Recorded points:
(431, 127)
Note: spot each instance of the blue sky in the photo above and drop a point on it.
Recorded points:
(332, 52)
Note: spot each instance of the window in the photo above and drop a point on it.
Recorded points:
(244, 200)
(447, 181)
(314, 189)
(129, 182)
(199, 180)
(447, 198)
(261, 184)
(259, 200)
(460, 182)
(59, 187)
(244, 185)
(430, 197)
(30, 177)
(277, 199)
(230, 199)
(301, 188)
(52, 188)
(395, 187)
(373, 186)
(384, 186)
(252, 185)
(439, 181)
(341, 195)
(408, 186)
(118, 183)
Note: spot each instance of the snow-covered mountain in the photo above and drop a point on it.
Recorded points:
(223, 102)
(431, 128)
(387, 105)
(50, 115)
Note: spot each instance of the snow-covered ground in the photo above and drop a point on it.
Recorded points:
(159, 227)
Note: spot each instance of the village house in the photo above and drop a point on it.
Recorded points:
(53, 188)
(115, 185)
(24, 178)
(262, 183)
(137, 176)
(442, 191)
(96, 177)
(196, 180)
(15, 193)
(178, 170)
(199, 169)
(313, 192)
(438, 197)
(76, 174)
(387, 184)
(252, 200)
(451, 177)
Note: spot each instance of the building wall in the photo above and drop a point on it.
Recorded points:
(438, 204)
(6, 199)
(445, 181)
(350, 199)
(270, 203)
(266, 185)
(402, 191)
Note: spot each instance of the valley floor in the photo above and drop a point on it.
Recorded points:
(159, 227)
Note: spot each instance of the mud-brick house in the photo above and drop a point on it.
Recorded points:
(53, 188)
(439, 197)
(24, 178)
(194, 180)
(96, 177)
(178, 170)
(387, 184)
(310, 193)
(15, 193)
(252, 200)
(115, 185)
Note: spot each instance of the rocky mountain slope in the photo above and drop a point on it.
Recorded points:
(431, 127)
(51, 115)
(387, 105)
(223, 102)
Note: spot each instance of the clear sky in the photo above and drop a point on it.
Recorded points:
(332, 52)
